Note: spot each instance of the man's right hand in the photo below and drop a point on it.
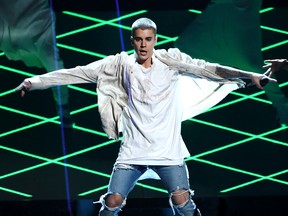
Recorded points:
(23, 87)
(275, 65)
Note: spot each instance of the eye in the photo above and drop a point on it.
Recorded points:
(137, 39)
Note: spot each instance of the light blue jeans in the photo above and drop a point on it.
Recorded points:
(124, 177)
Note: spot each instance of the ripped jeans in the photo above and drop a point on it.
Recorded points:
(124, 177)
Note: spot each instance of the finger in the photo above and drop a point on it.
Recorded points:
(266, 66)
(268, 72)
(18, 88)
(271, 60)
(272, 80)
(23, 93)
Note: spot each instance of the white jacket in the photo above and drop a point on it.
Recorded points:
(112, 75)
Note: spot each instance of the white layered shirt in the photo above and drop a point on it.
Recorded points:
(148, 104)
(151, 123)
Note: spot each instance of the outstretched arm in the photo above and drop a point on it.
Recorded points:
(260, 80)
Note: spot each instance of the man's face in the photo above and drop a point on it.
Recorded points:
(143, 42)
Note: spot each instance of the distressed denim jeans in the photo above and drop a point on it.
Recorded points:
(124, 177)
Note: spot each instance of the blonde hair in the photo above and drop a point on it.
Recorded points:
(144, 23)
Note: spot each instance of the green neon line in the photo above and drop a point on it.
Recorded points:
(93, 106)
(195, 11)
(283, 84)
(274, 45)
(255, 181)
(87, 28)
(221, 127)
(26, 127)
(50, 120)
(2, 53)
(138, 184)
(82, 90)
(90, 131)
(166, 41)
(274, 29)
(219, 149)
(260, 136)
(15, 192)
(240, 171)
(261, 11)
(103, 56)
(93, 191)
(81, 50)
(55, 161)
(7, 92)
(101, 22)
(16, 71)
(234, 101)
(152, 188)
(238, 143)
(26, 114)
(110, 22)
(252, 98)
(266, 10)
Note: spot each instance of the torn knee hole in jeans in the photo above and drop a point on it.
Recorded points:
(181, 192)
(102, 200)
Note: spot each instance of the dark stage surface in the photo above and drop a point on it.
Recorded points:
(238, 149)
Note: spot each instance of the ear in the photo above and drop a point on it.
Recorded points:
(131, 40)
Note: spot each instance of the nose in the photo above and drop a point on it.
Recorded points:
(143, 43)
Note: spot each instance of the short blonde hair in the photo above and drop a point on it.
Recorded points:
(144, 23)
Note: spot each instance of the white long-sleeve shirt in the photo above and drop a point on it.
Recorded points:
(114, 75)
(151, 123)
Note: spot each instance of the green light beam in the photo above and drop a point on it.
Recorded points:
(196, 157)
(240, 142)
(138, 184)
(81, 50)
(93, 190)
(266, 10)
(234, 101)
(2, 94)
(254, 181)
(100, 22)
(243, 97)
(15, 192)
(260, 11)
(109, 22)
(50, 120)
(56, 161)
(240, 171)
(16, 71)
(274, 29)
(252, 98)
(274, 45)
(195, 11)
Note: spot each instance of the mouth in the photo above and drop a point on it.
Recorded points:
(142, 52)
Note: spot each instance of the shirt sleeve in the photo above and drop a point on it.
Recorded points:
(80, 74)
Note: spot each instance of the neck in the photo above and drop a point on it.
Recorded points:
(147, 63)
